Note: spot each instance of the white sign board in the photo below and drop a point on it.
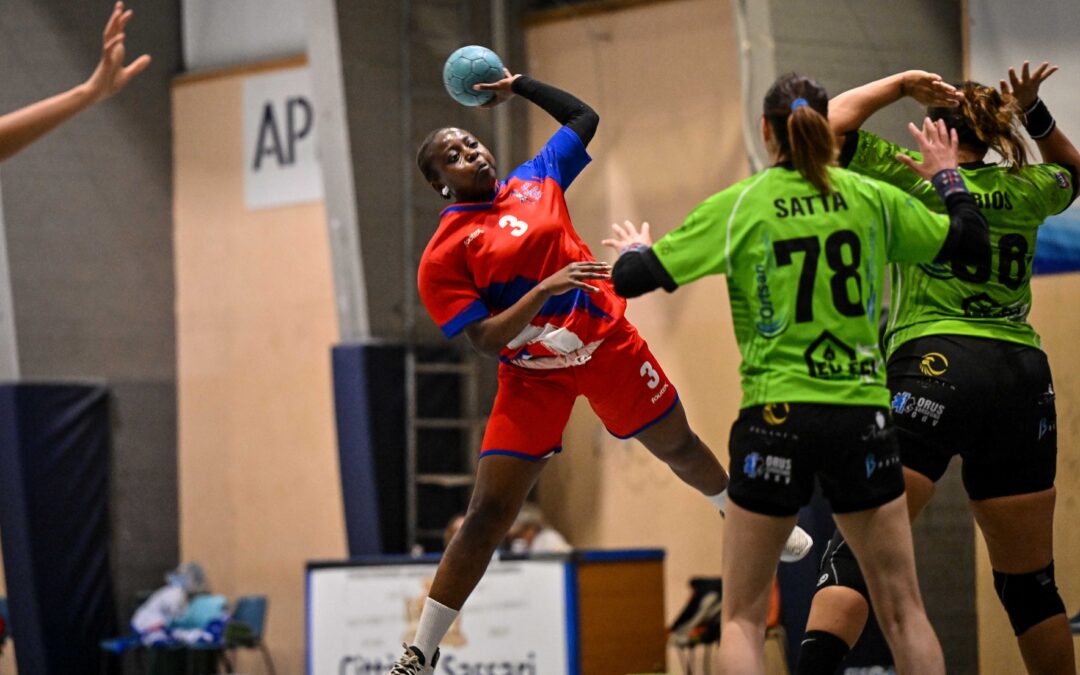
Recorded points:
(281, 164)
(514, 622)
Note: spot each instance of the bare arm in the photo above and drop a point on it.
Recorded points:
(22, 127)
(849, 110)
(1054, 146)
(490, 335)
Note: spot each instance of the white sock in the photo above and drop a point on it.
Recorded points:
(720, 500)
(435, 621)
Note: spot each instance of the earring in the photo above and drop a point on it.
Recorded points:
(446, 192)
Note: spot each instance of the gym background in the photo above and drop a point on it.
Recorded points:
(135, 255)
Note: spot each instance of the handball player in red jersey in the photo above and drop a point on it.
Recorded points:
(506, 267)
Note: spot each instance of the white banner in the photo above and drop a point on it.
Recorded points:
(514, 622)
(281, 164)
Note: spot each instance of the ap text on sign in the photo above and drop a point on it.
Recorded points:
(281, 163)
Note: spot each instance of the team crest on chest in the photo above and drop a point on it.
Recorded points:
(527, 193)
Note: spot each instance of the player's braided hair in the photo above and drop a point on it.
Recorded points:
(797, 109)
(985, 120)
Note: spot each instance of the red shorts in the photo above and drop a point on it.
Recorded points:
(623, 381)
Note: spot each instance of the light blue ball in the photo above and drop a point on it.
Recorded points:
(468, 66)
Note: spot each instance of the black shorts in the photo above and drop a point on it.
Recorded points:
(778, 449)
(839, 567)
(990, 401)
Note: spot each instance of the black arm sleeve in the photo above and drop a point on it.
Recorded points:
(640, 272)
(968, 240)
(566, 108)
(847, 150)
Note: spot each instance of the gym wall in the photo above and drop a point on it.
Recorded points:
(664, 79)
(259, 487)
(88, 229)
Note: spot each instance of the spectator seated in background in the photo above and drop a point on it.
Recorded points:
(530, 533)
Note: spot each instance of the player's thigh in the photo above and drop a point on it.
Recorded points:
(626, 386)
(1018, 529)
(881, 540)
(752, 545)
(530, 413)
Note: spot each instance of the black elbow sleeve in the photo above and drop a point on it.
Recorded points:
(640, 272)
(968, 241)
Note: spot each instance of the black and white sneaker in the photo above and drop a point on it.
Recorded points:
(413, 662)
(701, 611)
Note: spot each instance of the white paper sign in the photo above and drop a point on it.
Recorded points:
(514, 622)
(281, 164)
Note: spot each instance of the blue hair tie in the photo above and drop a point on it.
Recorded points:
(798, 103)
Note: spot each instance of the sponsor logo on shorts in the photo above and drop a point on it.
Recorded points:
(775, 413)
(1062, 180)
(876, 430)
(933, 364)
(873, 463)
(753, 466)
(829, 358)
(821, 581)
(1048, 396)
(768, 467)
(663, 390)
(1046, 426)
(922, 408)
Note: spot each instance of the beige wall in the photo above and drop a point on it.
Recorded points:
(1054, 316)
(259, 486)
(664, 79)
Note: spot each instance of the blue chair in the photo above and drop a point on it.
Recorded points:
(246, 626)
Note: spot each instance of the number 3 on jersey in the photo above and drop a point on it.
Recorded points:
(517, 227)
(648, 371)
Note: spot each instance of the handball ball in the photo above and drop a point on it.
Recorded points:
(468, 66)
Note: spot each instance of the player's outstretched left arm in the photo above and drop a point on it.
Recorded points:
(637, 271)
(22, 127)
(849, 110)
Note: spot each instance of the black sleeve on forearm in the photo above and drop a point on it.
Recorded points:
(968, 241)
(564, 107)
(639, 272)
(847, 150)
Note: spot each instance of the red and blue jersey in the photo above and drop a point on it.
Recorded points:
(485, 256)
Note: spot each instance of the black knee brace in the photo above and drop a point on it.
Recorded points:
(821, 653)
(1028, 598)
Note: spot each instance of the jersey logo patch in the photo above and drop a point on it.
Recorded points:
(475, 233)
(829, 358)
(1062, 180)
(528, 192)
(933, 364)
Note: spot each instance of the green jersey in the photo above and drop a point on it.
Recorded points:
(804, 275)
(990, 300)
